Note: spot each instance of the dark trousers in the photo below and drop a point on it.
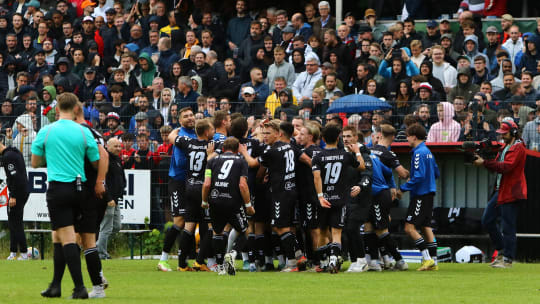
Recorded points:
(16, 226)
(502, 234)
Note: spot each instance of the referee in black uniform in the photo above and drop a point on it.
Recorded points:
(17, 183)
(64, 145)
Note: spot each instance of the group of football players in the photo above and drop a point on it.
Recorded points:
(294, 191)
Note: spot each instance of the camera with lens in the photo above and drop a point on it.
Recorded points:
(485, 148)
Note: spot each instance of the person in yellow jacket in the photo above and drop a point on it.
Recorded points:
(272, 101)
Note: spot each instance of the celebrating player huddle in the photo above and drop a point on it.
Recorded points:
(293, 192)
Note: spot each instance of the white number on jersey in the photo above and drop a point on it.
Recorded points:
(333, 170)
(225, 169)
(289, 161)
(196, 160)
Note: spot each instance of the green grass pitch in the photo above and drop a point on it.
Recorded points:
(140, 282)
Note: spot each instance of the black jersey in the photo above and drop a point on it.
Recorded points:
(333, 164)
(195, 151)
(16, 177)
(387, 157)
(280, 159)
(305, 176)
(89, 171)
(226, 170)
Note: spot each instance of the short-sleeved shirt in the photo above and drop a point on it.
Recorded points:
(226, 170)
(332, 163)
(65, 144)
(387, 157)
(280, 159)
(195, 151)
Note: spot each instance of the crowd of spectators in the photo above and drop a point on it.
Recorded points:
(134, 65)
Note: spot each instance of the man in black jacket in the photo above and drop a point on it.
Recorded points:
(17, 183)
(116, 182)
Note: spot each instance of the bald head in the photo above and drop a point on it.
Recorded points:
(114, 146)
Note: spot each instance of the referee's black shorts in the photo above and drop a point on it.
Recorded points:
(63, 202)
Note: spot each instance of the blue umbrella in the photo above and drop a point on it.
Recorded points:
(357, 103)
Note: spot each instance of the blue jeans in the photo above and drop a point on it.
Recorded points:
(111, 223)
(507, 213)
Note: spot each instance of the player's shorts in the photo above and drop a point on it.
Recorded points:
(193, 199)
(63, 203)
(420, 210)
(379, 212)
(92, 212)
(357, 213)
(177, 191)
(222, 214)
(283, 209)
(333, 217)
(262, 205)
(309, 213)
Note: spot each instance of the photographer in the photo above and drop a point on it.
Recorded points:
(510, 190)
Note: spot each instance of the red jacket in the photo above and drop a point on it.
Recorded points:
(513, 185)
(163, 149)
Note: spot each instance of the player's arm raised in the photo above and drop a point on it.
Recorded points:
(356, 150)
(252, 162)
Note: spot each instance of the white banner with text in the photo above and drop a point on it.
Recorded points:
(134, 207)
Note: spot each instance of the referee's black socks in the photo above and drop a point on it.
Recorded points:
(93, 264)
(59, 263)
(73, 261)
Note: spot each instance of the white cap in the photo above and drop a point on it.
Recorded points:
(248, 90)
(88, 18)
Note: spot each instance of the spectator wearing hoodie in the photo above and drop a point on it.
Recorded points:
(48, 100)
(505, 67)
(446, 129)
(64, 73)
(470, 49)
(92, 108)
(529, 60)
(465, 87)
(287, 110)
(426, 68)
(146, 72)
(24, 137)
(450, 55)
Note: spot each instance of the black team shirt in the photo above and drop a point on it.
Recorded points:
(333, 164)
(227, 169)
(195, 150)
(280, 159)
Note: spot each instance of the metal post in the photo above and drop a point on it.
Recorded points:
(339, 12)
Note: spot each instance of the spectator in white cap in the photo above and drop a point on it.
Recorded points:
(305, 82)
(250, 106)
